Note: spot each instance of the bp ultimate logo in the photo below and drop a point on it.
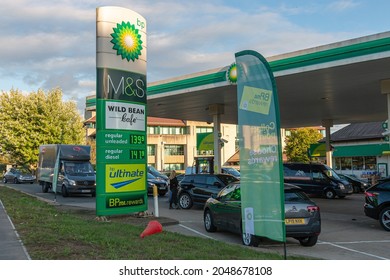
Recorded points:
(125, 177)
(127, 41)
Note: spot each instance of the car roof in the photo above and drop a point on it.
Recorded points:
(287, 186)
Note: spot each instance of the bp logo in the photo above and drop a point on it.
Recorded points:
(232, 74)
(127, 41)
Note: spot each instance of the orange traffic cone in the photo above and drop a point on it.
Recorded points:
(152, 228)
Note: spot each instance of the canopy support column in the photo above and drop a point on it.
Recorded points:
(216, 110)
(328, 123)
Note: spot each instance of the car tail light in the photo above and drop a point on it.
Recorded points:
(369, 194)
(312, 209)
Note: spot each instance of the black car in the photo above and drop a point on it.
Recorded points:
(197, 188)
(377, 203)
(231, 171)
(162, 185)
(316, 179)
(156, 173)
(302, 215)
(180, 177)
(358, 185)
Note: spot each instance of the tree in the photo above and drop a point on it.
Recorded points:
(30, 120)
(298, 143)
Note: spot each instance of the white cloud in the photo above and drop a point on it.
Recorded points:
(50, 44)
(339, 6)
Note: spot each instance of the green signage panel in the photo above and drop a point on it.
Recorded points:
(205, 141)
(262, 187)
(121, 146)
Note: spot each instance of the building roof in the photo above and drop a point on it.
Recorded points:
(154, 121)
(90, 120)
(359, 131)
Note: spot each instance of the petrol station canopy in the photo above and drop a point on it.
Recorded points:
(343, 82)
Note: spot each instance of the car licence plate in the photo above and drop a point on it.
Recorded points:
(85, 191)
(294, 221)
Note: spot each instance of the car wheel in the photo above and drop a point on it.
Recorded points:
(16, 181)
(64, 191)
(5, 180)
(330, 194)
(45, 187)
(249, 240)
(209, 222)
(185, 201)
(308, 241)
(384, 218)
(356, 189)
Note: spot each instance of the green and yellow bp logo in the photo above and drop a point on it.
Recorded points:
(127, 41)
(232, 73)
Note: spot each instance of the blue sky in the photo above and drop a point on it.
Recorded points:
(47, 44)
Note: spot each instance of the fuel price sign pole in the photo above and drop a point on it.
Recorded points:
(121, 147)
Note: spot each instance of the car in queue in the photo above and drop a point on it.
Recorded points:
(231, 171)
(359, 186)
(18, 175)
(377, 203)
(160, 183)
(302, 215)
(316, 179)
(197, 188)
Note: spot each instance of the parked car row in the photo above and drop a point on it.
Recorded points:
(222, 210)
(313, 178)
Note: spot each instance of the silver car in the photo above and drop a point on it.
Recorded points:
(18, 175)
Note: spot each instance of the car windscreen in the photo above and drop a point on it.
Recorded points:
(330, 172)
(232, 171)
(295, 195)
(78, 168)
(227, 179)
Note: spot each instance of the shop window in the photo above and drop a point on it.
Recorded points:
(357, 163)
(204, 129)
(173, 166)
(345, 163)
(174, 150)
(370, 163)
(151, 150)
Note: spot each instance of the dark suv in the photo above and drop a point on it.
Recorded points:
(316, 179)
(377, 203)
(197, 188)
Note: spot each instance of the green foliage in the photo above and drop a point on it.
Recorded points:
(30, 120)
(299, 142)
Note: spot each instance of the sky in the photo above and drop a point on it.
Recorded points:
(47, 44)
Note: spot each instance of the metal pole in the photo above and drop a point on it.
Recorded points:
(155, 200)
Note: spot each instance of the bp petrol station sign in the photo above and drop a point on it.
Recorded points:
(121, 116)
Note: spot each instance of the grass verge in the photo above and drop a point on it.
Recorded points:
(51, 232)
